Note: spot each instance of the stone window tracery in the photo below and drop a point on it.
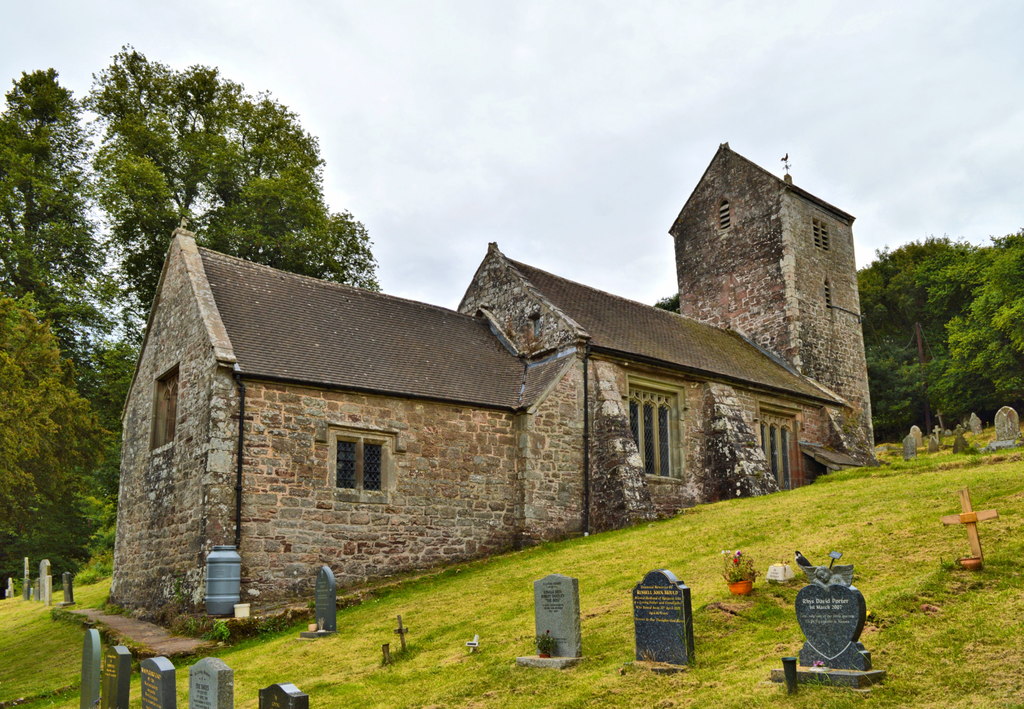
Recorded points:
(776, 440)
(652, 416)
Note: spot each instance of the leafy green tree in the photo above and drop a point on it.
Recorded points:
(192, 144)
(47, 245)
(669, 302)
(49, 437)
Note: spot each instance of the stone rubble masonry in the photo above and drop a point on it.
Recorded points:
(735, 465)
(765, 278)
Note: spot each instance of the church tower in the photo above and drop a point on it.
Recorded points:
(761, 256)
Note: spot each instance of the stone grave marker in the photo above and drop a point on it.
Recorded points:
(26, 588)
(91, 651)
(933, 444)
(283, 696)
(662, 619)
(35, 590)
(909, 447)
(915, 431)
(211, 685)
(115, 678)
(1007, 424)
(10, 587)
(556, 612)
(975, 424)
(831, 613)
(959, 443)
(69, 591)
(326, 605)
(45, 582)
(157, 684)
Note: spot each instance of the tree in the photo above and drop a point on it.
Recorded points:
(669, 302)
(47, 245)
(49, 437)
(192, 144)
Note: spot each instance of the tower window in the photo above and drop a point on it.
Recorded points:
(724, 217)
(820, 230)
(828, 294)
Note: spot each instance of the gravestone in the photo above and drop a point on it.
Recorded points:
(26, 588)
(90, 694)
(556, 612)
(909, 447)
(10, 587)
(157, 684)
(35, 589)
(933, 444)
(115, 678)
(1007, 424)
(915, 431)
(211, 685)
(45, 582)
(959, 443)
(283, 696)
(662, 619)
(69, 591)
(975, 424)
(326, 605)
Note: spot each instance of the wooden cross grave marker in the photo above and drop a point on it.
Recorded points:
(401, 631)
(969, 518)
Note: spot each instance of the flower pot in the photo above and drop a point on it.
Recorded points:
(543, 654)
(971, 563)
(741, 588)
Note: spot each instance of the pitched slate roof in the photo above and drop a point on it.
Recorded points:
(634, 329)
(291, 327)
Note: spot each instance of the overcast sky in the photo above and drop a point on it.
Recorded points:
(572, 132)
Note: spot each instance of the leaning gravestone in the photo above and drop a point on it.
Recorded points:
(90, 694)
(326, 605)
(975, 424)
(933, 444)
(211, 685)
(831, 613)
(69, 590)
(157, 684)
(556, 612)
(662, 619)
(283, 696)
(915, 431)
(116, 678)
(909, 447)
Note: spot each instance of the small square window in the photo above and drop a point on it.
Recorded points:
(165, 409)
(360, 462)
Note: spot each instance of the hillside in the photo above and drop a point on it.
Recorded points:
(947, 637)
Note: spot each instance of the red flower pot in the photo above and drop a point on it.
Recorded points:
(741, 588)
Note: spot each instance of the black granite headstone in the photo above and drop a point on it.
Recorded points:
(662, 619)
(283, 696)
(326, 600)
(157, 684)
(832, 618)
(115, 677)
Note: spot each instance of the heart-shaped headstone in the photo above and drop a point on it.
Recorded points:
(832, 618)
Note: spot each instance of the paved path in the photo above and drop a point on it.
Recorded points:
(144, 634)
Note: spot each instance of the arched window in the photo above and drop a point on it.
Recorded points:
(724, 217)
(776, 438)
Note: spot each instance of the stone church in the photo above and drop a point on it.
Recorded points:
(313, 423)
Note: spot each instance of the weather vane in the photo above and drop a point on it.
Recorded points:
(785, 162)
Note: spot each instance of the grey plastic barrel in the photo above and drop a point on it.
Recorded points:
(223, 580)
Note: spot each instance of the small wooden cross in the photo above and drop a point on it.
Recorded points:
(969, 518)
(401, 631)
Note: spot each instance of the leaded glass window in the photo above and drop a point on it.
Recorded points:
(360, 463)
(371, 466)
(165, 414)
(651, 418)
(785, 483)
(347, 464)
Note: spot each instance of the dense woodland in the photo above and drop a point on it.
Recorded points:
(90, 190)
(86, 212)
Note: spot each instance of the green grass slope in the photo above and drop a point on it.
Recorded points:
(947, 637)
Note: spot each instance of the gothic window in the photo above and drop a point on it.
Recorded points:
(776, 438)
(724, 216)
(820, 231)
(360, 462)
(651, 419)
(165, 414)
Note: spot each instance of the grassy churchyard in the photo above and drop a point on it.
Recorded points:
(947, 637)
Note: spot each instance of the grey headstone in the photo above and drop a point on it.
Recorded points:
(35, 589)
(157, 684)
(918, 436)
(26, 588)
(211, 685)
(832, 618)
(975, 424)
(68, 581)
(91, 650)
(909, 447)
(556, 611)
(662, 619)
(1007, 424)
(115, 678)
(283, 696)
(45, 582)
(326, 600)
(10, 587)
(933, 444)
(959, 443)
